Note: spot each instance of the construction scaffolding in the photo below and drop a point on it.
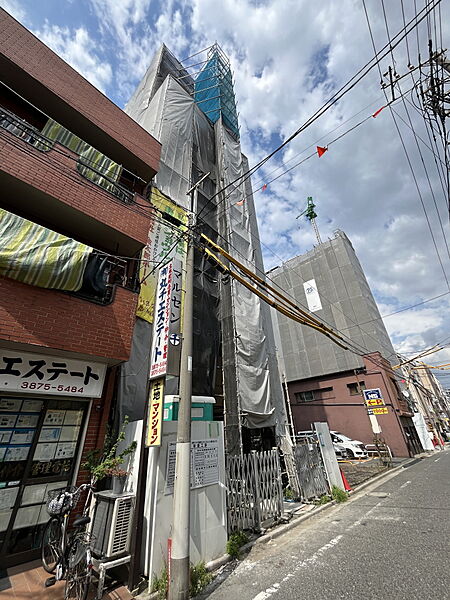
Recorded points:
(214, 91)
(234, 349)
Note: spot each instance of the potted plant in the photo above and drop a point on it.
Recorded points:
(105, 462)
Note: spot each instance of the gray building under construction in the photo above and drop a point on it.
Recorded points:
(190, 108)
(325, 381)
(329, 281)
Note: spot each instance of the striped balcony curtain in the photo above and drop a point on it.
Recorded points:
(92, 164)
(38, 256)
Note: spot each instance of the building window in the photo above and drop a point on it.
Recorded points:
(355, 389)
(311, 395)
(304, 396)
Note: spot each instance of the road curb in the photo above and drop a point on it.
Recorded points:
(215, 564)
(297, 520)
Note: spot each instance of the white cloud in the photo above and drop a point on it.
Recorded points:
(288, 58)
(137, 33)
(15, 8)
(79, 50)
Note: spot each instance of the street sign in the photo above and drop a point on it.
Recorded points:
(373, 397)
(379, 411)
(375, 402)
(174, 339)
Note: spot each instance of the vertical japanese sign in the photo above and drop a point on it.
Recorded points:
(163, 244)
(176, 303)
(155, 413)
(161, 322)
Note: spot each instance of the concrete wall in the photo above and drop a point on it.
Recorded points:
(347, 304)
(208, 505)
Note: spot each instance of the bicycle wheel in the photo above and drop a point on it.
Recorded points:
(79, 566)
(51, 545)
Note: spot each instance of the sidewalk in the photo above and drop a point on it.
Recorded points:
(26, 582)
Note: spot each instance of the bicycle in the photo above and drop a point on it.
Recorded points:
(68, 555)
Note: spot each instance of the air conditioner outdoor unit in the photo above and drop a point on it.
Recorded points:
(111, 525)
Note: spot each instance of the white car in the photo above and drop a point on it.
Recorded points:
(354, 448)
(339, 449)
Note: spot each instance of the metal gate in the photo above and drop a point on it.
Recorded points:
(310, 469)
(254, 490)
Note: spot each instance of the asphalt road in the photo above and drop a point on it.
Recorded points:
(392, 541)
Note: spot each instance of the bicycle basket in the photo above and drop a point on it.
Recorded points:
(61, 501)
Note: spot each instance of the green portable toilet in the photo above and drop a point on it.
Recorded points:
(201, 409)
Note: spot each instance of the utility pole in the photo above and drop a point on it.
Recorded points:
(179, 563)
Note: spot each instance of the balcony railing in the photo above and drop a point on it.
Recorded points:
(23, 130)
(103, 181)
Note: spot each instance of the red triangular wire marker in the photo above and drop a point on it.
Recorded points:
(241, 202)
(321, 151)
(376, 113)
(264, 187)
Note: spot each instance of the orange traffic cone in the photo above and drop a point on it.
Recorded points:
(347, 487)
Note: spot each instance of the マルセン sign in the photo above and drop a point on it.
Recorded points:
(36, 373)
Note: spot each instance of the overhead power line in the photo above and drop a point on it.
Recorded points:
(413, 174)
(350, 84)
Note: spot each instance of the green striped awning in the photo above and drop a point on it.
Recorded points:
(92, 164)
(38, 256)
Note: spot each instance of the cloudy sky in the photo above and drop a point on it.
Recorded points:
(289, 57)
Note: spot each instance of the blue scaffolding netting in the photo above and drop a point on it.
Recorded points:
(214, 92)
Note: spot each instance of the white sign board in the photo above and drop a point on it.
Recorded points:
(39, 374)
(161, 322)
(204, 464)
(312, 295)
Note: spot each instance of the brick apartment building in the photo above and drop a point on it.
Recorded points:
(73, 170)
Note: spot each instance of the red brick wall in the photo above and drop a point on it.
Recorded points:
(56, 175)
(347, 414)
(36, 65)
(96, 430)
(55, 320)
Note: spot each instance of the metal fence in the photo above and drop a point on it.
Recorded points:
(311, 471)
(254, 490)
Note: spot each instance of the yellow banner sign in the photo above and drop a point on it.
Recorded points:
(375, 402)
(155, 413)
(164, 243)
(380, 411)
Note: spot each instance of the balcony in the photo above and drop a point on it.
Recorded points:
(48, 83)
(50, 184)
